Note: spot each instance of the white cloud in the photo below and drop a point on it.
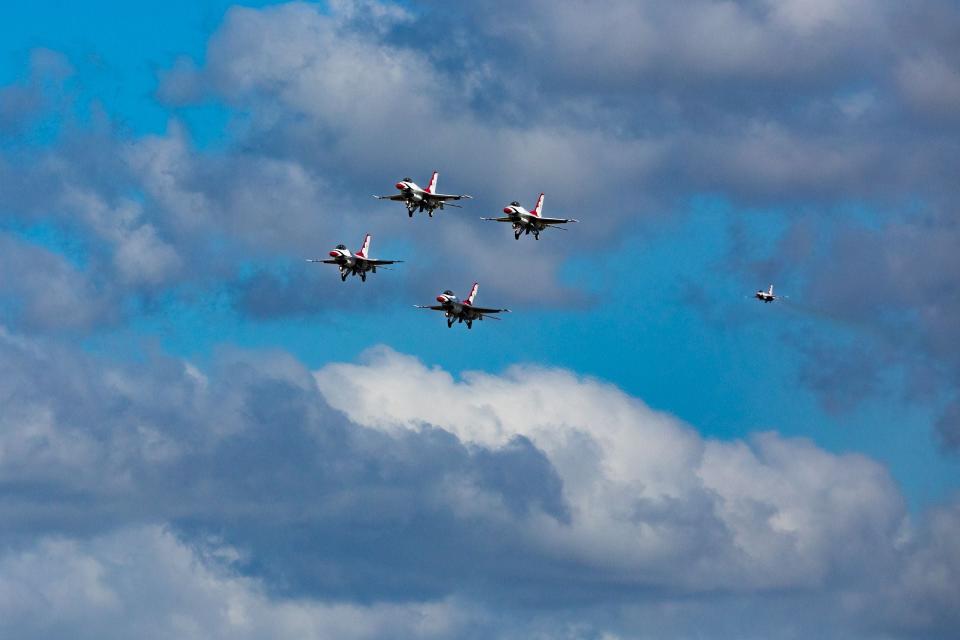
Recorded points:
(331, 105)
(691, 42)
(140, 256)
(377, 106)
(143, 582)
(498, 505)
(645, 490)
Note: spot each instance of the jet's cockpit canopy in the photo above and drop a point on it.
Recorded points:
(514, 204)
(408, 180)
(342, 247)
(448, 292)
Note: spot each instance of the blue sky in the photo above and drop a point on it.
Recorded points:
(165, 168)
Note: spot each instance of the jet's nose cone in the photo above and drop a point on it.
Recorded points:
(507, 210)
(441, 299)
(400, 186)
(334, 254)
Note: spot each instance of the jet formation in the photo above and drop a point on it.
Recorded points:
(428, 199)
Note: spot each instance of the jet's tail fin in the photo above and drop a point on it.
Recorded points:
(364, 251)
(537, 210)
(432, 187)
(473, 293)
(770, 290)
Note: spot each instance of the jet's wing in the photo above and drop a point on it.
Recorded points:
(396, 196)
(380, 262)
(483, 311)
(556, 220)
(447, 196)
(505, 219)
(433, 308)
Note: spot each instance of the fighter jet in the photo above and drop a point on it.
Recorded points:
(766, 296)
(356, 264)
(462, 311)
(420, 199)
(527, 222)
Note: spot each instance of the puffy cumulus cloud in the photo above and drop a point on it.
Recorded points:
(373, 98)
(645, 491)
(252, 451)
(386, 497)
(921, 600)
(144, 582)
(44, 291)
(645, 103)
(262, 204)
(758, 100)
(82, 194)
(154, 215)
(139, 256)
(686, 42)
(351, 102)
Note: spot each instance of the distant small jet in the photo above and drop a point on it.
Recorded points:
(527, 222)
(766, 296)
(421, 199)
(462, 311)
(357, 264)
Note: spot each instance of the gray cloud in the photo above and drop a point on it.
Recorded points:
(690, 43)
(896, 286)
(616, 113)
(473, 497)
(22, 104)
(800, 103)
(144, 582)
(43, 291)
(760, 101)
(435, 490)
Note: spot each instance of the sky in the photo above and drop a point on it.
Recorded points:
(204, 436)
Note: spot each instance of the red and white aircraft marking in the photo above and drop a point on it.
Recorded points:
(457, 310)
(527, 222)
(354, 263)
(426, 199)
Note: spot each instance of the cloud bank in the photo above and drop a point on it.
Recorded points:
(387, 497)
